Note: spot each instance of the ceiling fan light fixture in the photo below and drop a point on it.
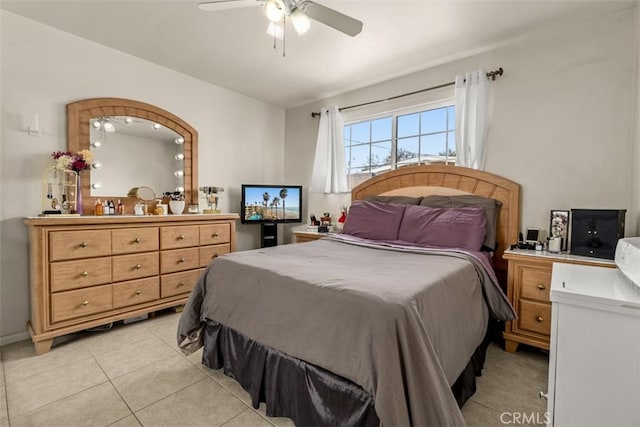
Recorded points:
(300, 20)
(274, 9)
(275, 29)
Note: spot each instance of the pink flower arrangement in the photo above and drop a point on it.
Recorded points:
(73, 161)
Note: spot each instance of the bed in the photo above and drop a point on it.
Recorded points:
(350, 330)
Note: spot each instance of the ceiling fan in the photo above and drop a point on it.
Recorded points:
(299, 11)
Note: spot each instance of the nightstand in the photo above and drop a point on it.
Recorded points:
(528, 285)
(307, 236)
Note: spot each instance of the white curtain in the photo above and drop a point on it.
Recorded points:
(329, 170)
(472, 94)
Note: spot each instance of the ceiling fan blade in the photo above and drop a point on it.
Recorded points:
(216, 5)
(332, 18)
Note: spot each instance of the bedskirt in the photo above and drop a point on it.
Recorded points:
(308, 394)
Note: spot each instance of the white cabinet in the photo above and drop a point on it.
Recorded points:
(594, 365)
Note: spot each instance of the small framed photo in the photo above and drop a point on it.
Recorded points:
(559, 226)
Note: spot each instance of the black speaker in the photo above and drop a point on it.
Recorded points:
(595, 232)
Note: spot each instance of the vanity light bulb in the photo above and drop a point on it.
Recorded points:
(128, 120)
(96, 124)
(96, 144)
(96, 165)
(180, 189)
(179, 156)
(109, 127)
(179, 173)
(156, 126)
(96, 185)
(179, 141)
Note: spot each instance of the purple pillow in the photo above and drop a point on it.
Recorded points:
(445, 227)
(374, 220)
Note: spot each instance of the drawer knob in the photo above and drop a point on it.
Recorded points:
(138, 267)
(180, 284)
(85, 303)
(181, 260)
(84, 273)
(136, 240)
(138, 292)
(181, 237)
(539, 319)
(84, 244)
(541, 287)
(214, 235)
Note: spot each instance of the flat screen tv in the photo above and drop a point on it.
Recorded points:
(271, 203)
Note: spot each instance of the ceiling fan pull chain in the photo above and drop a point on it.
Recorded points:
(284, 34)
(273, 25)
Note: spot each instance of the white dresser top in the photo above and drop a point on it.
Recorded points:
(593, 286)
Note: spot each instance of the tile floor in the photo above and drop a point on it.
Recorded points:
(135, 375)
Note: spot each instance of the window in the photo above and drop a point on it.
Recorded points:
(403, 138)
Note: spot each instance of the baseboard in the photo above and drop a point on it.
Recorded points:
(8, 339)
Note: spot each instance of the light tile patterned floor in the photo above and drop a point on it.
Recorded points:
(134, 375)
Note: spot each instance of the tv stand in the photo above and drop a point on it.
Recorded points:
(268, 234)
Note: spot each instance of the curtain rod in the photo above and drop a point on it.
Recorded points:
(491, 74)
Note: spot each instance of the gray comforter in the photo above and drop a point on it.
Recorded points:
(400, 322)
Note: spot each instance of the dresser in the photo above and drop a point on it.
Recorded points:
(594, 361)
(528, 286)
(89, 271)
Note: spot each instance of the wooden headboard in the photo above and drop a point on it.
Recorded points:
(461, 180)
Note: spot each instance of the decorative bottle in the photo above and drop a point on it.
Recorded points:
(99, 209)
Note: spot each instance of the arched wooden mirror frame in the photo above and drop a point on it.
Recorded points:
(79, 114)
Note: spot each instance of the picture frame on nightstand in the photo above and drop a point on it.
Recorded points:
(559, 226)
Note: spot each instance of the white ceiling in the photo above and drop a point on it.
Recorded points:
(231, 49)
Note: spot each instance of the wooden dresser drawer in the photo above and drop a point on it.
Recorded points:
(535, 317)
(179, 237)
(68, 275)
(179, 260)
(80, 302)
(135, 292)
(208, 253)
(127, 267)
(132, 240)
(536, 283)
(214, 234)
(79, 244)
(178, 283)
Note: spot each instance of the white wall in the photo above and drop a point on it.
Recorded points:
(43, 69)
(562, 126)
(635, 165)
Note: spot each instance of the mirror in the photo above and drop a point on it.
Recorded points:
(119, 142)
(128, 161)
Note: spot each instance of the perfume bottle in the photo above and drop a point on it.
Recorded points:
(99, 208)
